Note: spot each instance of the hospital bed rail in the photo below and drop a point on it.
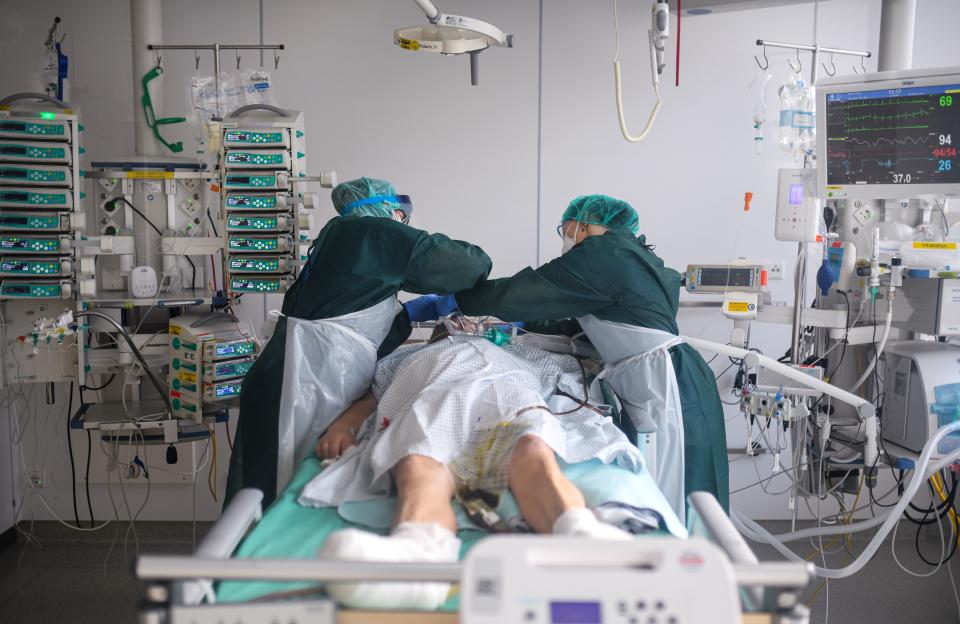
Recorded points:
(173, 583)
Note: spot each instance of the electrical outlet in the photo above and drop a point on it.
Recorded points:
(775, 268)
(36, 478)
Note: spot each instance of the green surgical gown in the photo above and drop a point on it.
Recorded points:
(616, 277)
(355, 263)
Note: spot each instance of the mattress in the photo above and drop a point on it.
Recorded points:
(289, 530)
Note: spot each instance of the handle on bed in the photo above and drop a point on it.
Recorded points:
(222, 539)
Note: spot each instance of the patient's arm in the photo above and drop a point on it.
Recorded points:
(342, 433)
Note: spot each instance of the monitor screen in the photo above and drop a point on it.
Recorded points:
(893, 136)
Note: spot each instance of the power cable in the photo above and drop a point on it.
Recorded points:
(193, 267)
(73, 470)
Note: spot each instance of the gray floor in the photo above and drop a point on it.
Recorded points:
(65, 580)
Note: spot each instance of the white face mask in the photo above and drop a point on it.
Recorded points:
(568, 242)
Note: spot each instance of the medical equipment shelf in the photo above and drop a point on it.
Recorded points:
(262, 163)
(40, 170)
(175, 299)
(103, 417)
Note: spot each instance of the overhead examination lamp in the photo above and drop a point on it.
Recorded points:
(451, 35)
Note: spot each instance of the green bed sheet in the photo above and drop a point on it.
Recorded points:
(290, 530)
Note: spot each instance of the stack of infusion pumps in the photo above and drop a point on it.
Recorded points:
(209, 357)
(40, 203)
(262, 153)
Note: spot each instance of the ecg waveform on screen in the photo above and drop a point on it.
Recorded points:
(904, 141)
(891, 139)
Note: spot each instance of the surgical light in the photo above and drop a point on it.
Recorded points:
(452, 35)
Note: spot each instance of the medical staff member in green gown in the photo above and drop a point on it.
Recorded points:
(625, 300)
(357, 265)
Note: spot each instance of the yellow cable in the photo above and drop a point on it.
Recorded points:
(938, 486)
(846, 557)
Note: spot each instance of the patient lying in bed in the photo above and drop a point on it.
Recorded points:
(461, 414)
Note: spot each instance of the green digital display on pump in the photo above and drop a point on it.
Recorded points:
(240, 222)
(18, 127)
(232, 369)
(256, 202)
(253, 137)
(33, 197)
(250, 243)
(233, 348)
(29, 244)
(27, 175)
(34, 291)
(26, 221)
(255, 158)
(19, 266)
(33, 152)
(251, 181)
(227, 389)
(241, 264)
(256, 284)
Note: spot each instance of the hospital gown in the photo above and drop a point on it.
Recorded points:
(465, 402)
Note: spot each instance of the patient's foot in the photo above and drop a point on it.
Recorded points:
(580, 522)
(409, 542)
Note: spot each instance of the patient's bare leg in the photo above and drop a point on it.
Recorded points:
(424, 530)
(549, 502)
(424, 490)
(543, 493)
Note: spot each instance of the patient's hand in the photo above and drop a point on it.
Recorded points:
(335, 441)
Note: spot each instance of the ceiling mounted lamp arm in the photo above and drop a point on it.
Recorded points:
(451, 35)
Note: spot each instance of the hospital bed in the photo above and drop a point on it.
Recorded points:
(258, 567)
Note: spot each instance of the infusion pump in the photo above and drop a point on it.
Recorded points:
(742, 286)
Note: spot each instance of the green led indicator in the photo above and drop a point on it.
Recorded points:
(48, 115)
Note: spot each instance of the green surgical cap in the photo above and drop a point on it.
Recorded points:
(349, 198)
(615, 214)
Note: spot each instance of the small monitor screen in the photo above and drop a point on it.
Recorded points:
(575, 613)
(894, 136)
(796, 194)
(726, 277)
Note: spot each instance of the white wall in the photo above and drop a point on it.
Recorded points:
(473, 158)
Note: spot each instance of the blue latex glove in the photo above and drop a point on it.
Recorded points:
(430, 307)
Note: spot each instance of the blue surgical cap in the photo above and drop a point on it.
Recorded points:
(366, 197)
(613, 213)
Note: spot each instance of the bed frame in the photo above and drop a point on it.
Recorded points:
(178, 589)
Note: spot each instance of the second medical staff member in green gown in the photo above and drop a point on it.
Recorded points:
(357, 264)
(626, 301)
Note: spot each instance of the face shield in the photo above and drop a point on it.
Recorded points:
(406, 207)
(371, 206)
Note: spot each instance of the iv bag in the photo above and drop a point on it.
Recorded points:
(758, 92)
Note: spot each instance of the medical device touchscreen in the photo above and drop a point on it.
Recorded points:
(894, 136)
